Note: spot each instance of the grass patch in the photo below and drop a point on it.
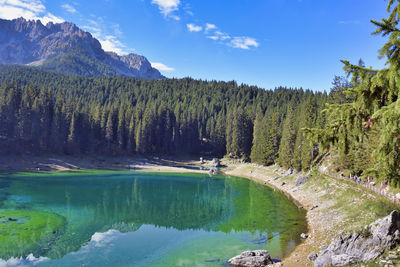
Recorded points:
(359, 205)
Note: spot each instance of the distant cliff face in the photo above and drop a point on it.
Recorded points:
(63, 47)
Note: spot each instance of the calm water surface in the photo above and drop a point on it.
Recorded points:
(121, 218)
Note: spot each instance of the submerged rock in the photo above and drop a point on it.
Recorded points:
(255, 258)
(363, 246)
(212, 260)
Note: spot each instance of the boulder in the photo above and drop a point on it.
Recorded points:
(255, 258)
(301, 180)
(288, 172)
(303, 235)
(312, 257)
(215, 163)
(363, 246)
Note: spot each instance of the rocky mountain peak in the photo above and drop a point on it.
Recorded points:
(64, 46)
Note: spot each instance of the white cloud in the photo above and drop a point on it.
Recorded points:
(117, 29)
(34, 5)
(175, 17)
(93, 22)
(243, 42)
(210, 26)
(108, 35)
(222, 36)
(69, 8)
(50, 18)
(28, 9)
(111, 43)
(93, 30)
(194, 28)
(166, 7)
(213, 37)
(212, 32)
(161, 66)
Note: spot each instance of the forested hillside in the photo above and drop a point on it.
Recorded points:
(44, 112)
(362, 131)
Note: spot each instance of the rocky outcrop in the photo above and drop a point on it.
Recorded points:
(301, 180)
(55, 45)
(288, 172)
(363, 246)
(215, 163)
(255, 258)
(312, 257)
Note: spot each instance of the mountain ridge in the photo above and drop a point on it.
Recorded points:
(65, 48)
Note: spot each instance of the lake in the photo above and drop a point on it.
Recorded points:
(127, 218)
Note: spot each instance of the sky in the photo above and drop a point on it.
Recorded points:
(267, 43)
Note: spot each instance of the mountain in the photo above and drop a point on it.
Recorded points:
(65, 48)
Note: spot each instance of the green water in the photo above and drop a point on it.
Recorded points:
(121, 218)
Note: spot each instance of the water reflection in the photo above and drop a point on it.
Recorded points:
(125, 201)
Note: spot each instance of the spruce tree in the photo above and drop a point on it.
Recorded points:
(288, 140)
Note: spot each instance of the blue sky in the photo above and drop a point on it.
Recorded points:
(268, 43)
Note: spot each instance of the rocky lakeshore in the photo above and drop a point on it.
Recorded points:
(21, 163)
(334, 208)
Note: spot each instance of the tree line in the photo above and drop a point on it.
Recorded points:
(45, 112)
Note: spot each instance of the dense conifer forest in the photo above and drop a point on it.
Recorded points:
(357, 124)
(44, 112)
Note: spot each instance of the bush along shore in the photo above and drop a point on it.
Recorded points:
(348, 224)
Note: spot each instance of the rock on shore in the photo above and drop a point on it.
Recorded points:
(255, 258)
(363, 246)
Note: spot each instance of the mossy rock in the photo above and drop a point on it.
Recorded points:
(23, 232)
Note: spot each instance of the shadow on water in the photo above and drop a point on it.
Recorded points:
(125, 201)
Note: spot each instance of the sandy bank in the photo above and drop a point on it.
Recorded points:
(67, 163)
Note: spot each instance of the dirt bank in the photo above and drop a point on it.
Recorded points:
(332, 206)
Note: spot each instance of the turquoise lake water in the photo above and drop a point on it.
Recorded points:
(122, 218)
